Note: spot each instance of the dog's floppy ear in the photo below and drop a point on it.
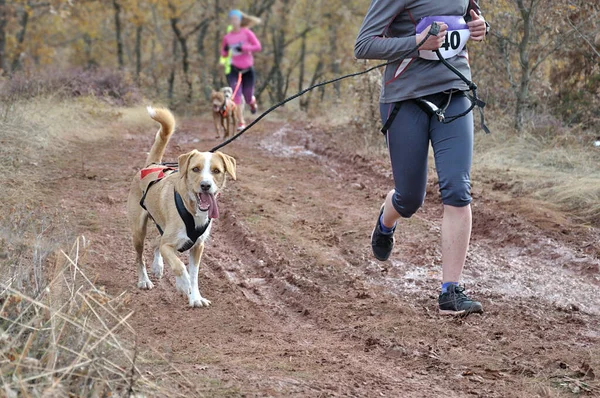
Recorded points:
(184, 161)
(229, 162)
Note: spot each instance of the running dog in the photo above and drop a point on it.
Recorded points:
(227, 91)
(181, 199)
(224, 111)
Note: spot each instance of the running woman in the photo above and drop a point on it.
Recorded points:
(241, 43)
(391, 28)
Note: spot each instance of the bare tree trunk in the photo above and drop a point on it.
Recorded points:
(138, 51)
(265, 84)
(258, 8)
(16, 62)
(183, 43)
(318, 73)
(152, 67)
(217, 75)
(184, 55)
(171, 79)
(528, 44)
(277, 93)
(3, 23)
(302, 62)
(277, 89)
(523, 91)
(278, 80)
(89, 58)
(335, 62)
(200, 47)
(119, 38)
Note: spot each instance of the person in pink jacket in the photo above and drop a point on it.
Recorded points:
(242, 43)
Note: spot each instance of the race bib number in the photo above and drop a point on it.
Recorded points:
(236, 49)
(456, 36)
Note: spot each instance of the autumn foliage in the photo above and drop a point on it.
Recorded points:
(539, 63)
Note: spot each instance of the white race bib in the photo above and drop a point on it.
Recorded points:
(457, 36)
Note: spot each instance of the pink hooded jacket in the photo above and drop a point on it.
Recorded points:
(243, 44)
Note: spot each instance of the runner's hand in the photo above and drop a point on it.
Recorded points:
(477, 26)
(433, 42)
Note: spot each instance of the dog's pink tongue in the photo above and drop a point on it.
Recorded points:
(209, 200)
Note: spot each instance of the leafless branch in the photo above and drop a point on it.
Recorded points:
(558, 44)
(503, 38)
(511, 79)
(584, 38)
(298, 36)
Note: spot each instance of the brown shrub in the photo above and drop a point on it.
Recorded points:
(111, 85)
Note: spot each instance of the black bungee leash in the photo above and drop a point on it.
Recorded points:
(433, 31)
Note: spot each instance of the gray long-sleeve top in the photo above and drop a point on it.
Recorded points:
(388, 30)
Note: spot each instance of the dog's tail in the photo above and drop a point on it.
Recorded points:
(167, 127)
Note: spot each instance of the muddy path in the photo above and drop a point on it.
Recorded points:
(300, 308)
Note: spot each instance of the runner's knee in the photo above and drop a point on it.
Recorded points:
(406, 205)
(456, 191)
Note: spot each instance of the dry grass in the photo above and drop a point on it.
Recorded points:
(40, 132)
(549, 165)
(51, 341)
(69, 337)
(559, 170)
(355, 116)
(52, 118)
(59, 334)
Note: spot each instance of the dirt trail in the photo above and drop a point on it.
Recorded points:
(300, 308)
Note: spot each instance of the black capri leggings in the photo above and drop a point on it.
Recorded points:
(408, 140)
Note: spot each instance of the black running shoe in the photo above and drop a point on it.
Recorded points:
(456, 302)
(382, 243)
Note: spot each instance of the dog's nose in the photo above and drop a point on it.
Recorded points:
(205, 186)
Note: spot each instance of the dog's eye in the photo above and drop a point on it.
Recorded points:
(196, 170)
(216, 171)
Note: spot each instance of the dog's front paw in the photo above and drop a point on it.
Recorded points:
(199, 302)
(145, 284)
(183, 285)
(196, 299)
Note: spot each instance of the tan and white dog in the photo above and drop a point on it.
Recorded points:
(182, 201)
(225, 112)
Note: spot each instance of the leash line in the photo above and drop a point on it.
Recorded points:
(475, 101)
(237, 86)
(433, 31)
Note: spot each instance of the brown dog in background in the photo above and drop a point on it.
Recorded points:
(224, 112)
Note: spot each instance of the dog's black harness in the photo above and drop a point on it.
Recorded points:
(193, 233)
(160, 178)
